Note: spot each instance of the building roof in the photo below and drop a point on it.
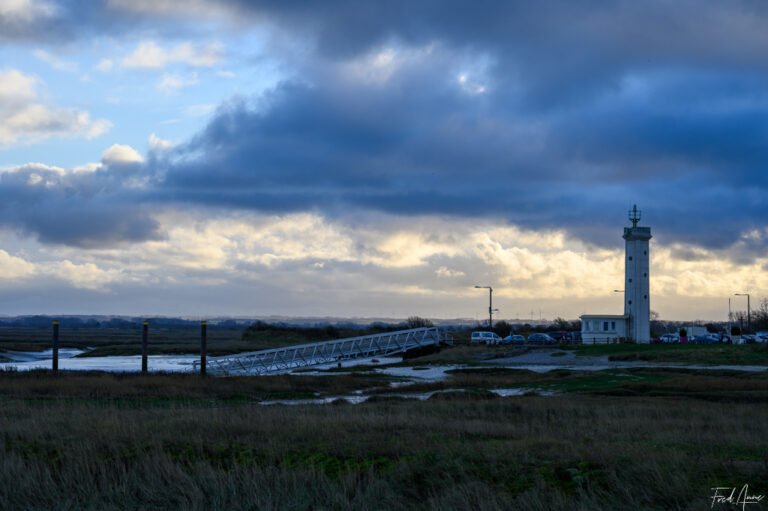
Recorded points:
(604, 316)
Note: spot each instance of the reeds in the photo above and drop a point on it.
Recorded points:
(185, 443)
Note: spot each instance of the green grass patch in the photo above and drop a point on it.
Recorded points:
(707, 354)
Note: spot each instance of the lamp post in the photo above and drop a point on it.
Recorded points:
(749, 314)
(490, 305)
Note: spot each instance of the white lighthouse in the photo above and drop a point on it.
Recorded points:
(637, 296)
(634, 324)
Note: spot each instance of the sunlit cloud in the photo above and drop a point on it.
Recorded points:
(120, 153)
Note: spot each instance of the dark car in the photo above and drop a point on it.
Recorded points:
(514, 339)
(559, 336)
(541, 339)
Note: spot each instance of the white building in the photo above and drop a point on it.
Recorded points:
(603, 328)
(634, 324)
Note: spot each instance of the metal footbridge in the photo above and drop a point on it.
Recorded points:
(326, 352)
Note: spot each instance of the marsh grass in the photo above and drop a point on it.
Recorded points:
(700, 384)
(78, 449)
(713, 354)
(174, 387)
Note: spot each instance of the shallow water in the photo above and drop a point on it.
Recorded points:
(25, 361)
(540, 362)
(357, 398)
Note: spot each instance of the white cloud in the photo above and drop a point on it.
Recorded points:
(172, 8)
(445, 272)
(55, 62)
(158, 144)
(105, 65)
(23, 118)
(26, 11)
(470, 86)
(395, 261)
(118, 153)
(149, 55)
(12, 267)
(173, 82)
(16, 88)
(83, 276)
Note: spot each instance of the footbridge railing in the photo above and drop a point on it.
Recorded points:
(318, 353)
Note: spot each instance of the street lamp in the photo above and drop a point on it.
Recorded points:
(749, 314)
(491, 310)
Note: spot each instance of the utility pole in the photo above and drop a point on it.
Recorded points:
(491, 310)
(749, 313)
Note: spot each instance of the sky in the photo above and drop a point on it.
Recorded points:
(380, 159)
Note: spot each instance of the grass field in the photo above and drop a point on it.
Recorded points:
(714, 354)
(103, 441)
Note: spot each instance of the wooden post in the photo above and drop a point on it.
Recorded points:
(144, 346)
(203, 345)
(55, 345)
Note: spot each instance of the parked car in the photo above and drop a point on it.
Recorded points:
(667, 338)
(514, 339)
(761, 336)
(706, 339)
(484, 338)
(541, 339)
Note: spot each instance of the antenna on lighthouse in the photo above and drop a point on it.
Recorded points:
(634, 215)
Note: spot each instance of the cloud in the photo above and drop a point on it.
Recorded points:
(117, 154)
(25, 10)
(546, 117)
(394, 130)
(24, 119)
(12, 267)
(55, 62)
(100, 205)
(150, 55)
(172, 82)
(196, 9)
(158, 144)
(83, 276)
(105, 65)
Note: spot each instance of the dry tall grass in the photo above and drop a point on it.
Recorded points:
(574, 452)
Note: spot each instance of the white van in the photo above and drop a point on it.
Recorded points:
(485, 338)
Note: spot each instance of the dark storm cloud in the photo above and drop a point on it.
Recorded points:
(589, 108)
(87, 209)
(425, 149)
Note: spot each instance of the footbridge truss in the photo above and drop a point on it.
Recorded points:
(326, 352)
